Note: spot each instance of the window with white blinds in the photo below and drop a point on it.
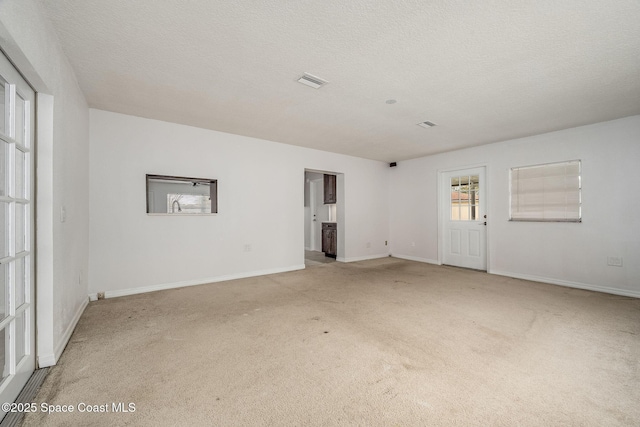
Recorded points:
(549, 192)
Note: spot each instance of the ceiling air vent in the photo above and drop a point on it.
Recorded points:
(427, 124)
(313, 81)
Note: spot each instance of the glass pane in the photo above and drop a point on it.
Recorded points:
(474, 189)
(20, 281)
(455, 194)
(455, 198)
(20, 227)
(4, 181)
(465, 212)
(3, 109)
(4, 359)
(19, 119)
(455, 211)
(4, 284)
(464, 199)
(4, 229)
(20, 341)
(20, 157)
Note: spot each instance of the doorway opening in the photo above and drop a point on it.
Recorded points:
(323, 213)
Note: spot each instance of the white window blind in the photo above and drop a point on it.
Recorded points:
(548, 192)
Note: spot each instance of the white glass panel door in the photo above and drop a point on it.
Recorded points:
(463, 201)
(17, 316)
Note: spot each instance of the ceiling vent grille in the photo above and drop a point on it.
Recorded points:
(427, 124)
(312, 81)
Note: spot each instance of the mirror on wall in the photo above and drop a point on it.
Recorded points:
(175, 195)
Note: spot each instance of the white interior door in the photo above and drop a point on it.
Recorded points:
(17, 316)
(313, 238)
(319, 213)
(464, 218)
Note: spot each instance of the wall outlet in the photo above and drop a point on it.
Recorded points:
(63, 214)
(413, 244)
(100, 295)
(247, 248)
(614, 261)
(385, 243)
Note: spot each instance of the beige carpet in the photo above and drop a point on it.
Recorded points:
(376, 343)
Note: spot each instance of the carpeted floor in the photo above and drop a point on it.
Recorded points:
(386, 342)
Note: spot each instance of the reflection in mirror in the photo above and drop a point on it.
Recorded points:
(181, 195)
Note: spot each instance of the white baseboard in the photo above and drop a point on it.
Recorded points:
(415, 258)
(51, 359)
(46, 360)
(174, 285)
(361, 258)
(569, 284)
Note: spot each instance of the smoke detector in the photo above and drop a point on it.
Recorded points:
(312, 81)
(426, 124)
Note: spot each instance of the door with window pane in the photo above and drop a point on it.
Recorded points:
(17, 316)
(464, 221)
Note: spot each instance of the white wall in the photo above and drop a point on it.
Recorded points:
(29, 40)
(563, 253)
(260, 203)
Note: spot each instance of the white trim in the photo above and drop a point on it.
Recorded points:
(569, 284)
(46, 360)
(51, 359)
(174, 285)
(362, 258)
(45, 217)
(418, 259)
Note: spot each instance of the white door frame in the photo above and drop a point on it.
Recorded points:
(19, 321)
(340, 212)
(47, 352)
(443, 208)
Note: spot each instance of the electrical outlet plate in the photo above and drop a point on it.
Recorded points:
(614, 261)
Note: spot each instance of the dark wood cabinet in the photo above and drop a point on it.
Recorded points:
(330, 189)
(330, 239)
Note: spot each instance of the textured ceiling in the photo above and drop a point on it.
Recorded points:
(482, 71)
